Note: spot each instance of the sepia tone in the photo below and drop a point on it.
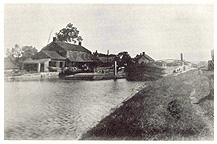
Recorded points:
(108, 72)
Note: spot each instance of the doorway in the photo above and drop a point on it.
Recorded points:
(42, 67)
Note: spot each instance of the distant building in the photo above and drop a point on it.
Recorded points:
(58, 55)
(105, 59)
(161, 63)
(143, 58)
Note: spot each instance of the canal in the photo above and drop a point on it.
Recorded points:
(60, 109)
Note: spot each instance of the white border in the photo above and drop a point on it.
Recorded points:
(2, 141)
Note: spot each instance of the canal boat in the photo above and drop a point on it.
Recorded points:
(146, 72)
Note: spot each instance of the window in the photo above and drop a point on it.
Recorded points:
(61, 64)
(52, 64)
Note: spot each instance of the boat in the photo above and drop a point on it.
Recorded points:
(145, 72)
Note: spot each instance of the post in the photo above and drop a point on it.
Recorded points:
(181, 57)
(115, 68)
(182, 60)
(107, 55)
(39, 67)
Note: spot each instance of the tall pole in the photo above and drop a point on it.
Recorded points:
(115, 68)
(107, 55)
(182, 62)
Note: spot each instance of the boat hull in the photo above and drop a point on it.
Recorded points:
(144, 73)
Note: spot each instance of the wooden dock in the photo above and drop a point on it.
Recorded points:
(94, 76)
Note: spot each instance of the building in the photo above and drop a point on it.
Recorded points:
(105, 59)
(40, 65)
(57, 55)
(143, 58)
(161, 63)
(44, 61)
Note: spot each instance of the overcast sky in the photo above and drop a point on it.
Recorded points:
(162, 31)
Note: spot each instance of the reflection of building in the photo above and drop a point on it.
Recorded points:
(143, 58)
(58, 55)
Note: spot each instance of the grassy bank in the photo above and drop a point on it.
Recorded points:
(172, 108)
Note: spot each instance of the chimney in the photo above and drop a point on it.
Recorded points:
(181, 57)
(79, 43)
(143, 53)
(54, 39)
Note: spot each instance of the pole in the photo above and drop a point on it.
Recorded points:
(107, 55)
(115, 68)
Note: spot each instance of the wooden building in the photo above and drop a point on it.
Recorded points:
(105, 59)
(37, 65)
(143, 58)
(57, 55)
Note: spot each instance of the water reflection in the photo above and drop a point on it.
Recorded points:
(60, 109)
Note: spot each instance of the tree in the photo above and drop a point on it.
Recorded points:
(15, 52)
(124, 59)
(69, 34)
(28, 52)
(19, 54)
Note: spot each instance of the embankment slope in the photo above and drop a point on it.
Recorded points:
(173, 108)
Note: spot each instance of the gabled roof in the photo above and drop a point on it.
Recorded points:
(66, 46)
(48, 54)
(105, 58)
(105, 55)
(78, 56)
(143, 55)
(35, 61)
(108, 59)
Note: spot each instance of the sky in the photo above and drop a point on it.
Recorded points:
(162, 31)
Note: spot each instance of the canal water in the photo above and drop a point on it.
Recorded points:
(60, 109)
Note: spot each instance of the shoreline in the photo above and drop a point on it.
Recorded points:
(50, 75)
(145, 116)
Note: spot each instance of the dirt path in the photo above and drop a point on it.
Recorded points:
(201, 112)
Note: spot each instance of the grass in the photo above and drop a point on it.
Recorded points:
(164, 110)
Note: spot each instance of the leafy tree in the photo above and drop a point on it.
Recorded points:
(15, 52)
(19, 54)
(28, 52)
(123, 59)
(69, 34)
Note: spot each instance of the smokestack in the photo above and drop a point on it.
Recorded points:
(107, 55)
(181, 57)
(54, 39)
(79, 43)
(143, 53)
